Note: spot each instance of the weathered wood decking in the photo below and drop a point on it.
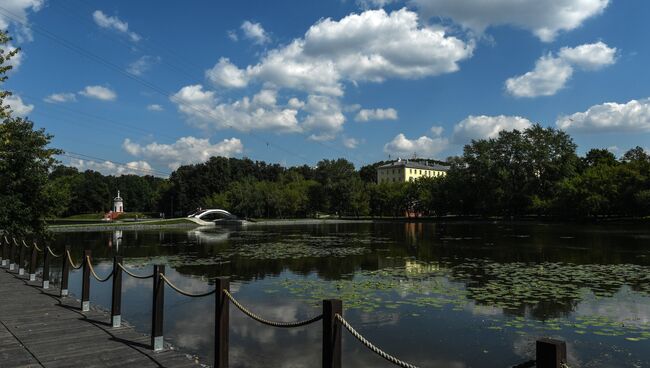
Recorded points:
(39, 329)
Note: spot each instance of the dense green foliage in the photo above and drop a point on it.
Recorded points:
(25, 160)
(519, 173)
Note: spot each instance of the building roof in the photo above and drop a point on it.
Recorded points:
(413, 165)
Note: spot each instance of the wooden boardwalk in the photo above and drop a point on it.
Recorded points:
(39, 329)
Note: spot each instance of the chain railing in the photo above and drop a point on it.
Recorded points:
(549, 353)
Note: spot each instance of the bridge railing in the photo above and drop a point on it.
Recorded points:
(549, 353)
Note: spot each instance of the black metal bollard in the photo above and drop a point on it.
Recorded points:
(550, 353)
(85, 282)
(5, 253)
(21, 260)
(65, 271)
(116, 298)
(158, 308)
(12, 257)
(332, 333)
(221, 321)
(32, 264)
(46, 268)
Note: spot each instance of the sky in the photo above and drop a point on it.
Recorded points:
(146, 86)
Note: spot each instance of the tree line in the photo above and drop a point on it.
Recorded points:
(534, 172)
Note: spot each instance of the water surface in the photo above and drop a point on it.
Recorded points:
(436, 295)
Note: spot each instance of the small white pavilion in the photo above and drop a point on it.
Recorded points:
(118, 203)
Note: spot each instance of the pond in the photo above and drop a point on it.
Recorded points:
(435, 295)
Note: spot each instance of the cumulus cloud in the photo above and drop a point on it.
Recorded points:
(255, 32)
(591, 56)
(632, 116)
(154, 107)
(437, 130)
(324, 116)
(226, 74)
(186, 150)
(99, 93)
(114, 23)
(370, 46)
(15, 13)
(483, 127)
(17, 106)
(261, 112)
(423, 146)
(111, 168)
(350, 142)
(552, 72)
(60, 98)
(545, 18)
(142, 65)
(376, 114)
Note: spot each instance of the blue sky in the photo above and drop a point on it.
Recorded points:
(160, 84)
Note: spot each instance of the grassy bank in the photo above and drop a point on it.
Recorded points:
(130, 225)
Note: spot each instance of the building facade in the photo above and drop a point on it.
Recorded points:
(402, 171)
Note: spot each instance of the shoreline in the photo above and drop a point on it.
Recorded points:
(186, 223)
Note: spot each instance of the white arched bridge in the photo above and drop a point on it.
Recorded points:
(213, 215)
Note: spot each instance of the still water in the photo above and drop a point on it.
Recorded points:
(436, 295)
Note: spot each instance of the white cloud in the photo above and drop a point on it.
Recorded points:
(633, 116)
(592, 56)
(232, 35)
(423, 146)
(545, 18)
(154, 107)
(371, 46)
(255, 32)
(549, 76)
(437, 130)
(142, 65)
(114, 23)
(483, 127)
(16, 13)
(552, 72)
(17, 106)
(226, 74)
(350, 142)
(376, 114)
(186, 150)
(324, 116)
(259, 113)
(110, 168)
(60, 98)
(99, 93)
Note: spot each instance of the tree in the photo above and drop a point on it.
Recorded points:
(25, 161)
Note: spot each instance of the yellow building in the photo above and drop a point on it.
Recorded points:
(405, 170)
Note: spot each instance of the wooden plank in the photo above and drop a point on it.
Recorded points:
(39, 329)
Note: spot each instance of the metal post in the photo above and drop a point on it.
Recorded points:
(116, 299)
(332, 333)
(46, 268)
(12, 257)
(85, 283)
(158, 308)
(65, 271)
(550, 353)
(21, 260)
(4, 252)
(32, 264)
(221, 320)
